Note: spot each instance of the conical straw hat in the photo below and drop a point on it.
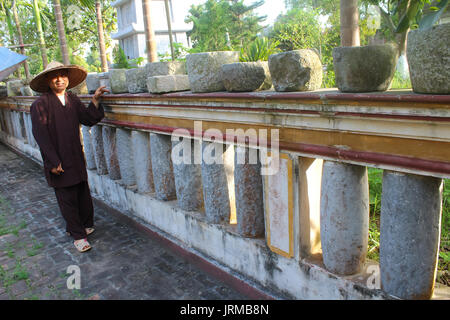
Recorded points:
(76, 75)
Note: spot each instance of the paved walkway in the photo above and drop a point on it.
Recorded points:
(126, 261)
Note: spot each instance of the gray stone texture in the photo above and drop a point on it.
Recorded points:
(13, 87)
(164, 68)
(205, 69)
(366, 68)
(125, 156)
(26, 91)
(188, 176)
(142, 161)
(428, 54)
(163, 179)
(97, 143)
(411, 207)
(243, 76)
(88, 148)
(92, 82)
(137, 80)
(249, 195)
(118, 80)
(103, 79)
(215, 186)
(80, 89)
(344, 217)
(169, 83)
(297, 70)
(110, 148)
(267, 84)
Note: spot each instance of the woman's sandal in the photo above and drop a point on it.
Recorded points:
(82, 245)
(88, 231)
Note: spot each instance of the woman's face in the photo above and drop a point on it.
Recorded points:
(58, 80)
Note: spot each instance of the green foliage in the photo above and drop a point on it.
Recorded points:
(120, 59)
(259, 50)
(136, 61)
(180, 52)
(223, 25)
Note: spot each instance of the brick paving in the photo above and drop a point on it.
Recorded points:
(126, 262)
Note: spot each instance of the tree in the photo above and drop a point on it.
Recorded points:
(223, 25)
(61, 31)
(37, 17)
(152, 55)
(349, 23)
(19, 33)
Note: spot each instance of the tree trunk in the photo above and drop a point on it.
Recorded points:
(37, 16)
(152, 56)
(61, 32)
(169, 27)
(349, 23)
(101, 36)
(19, 33)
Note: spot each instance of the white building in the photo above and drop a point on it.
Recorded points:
(131, 34)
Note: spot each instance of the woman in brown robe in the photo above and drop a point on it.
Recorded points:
(56, 117)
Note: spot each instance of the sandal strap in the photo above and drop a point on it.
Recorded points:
(82, 245)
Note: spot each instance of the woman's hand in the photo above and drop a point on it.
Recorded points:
(98, 94)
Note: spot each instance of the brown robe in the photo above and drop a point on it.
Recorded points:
(56, 129)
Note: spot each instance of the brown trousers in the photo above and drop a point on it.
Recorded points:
(76, 207)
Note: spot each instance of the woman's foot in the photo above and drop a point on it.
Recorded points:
(82, 245)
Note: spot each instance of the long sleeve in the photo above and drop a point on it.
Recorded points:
(88, 116)
(40, 120)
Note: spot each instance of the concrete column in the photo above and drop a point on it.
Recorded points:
(249, 194)
(9, 116)
(109, 147)
(410, 225)
(187, 174)
(142, 161)
(97, 143)
(161, 147)
(88, 148)
(23, 131)
(215, 186)
(344, 217)
(16, 125)
(125, 156)
(27, 126)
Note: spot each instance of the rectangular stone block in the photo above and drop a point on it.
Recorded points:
(169, 83)
(164, 68)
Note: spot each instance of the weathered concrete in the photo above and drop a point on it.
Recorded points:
(110, 148)
(80, 89)
(162, 168)
(88, 148)
(187, 174)
(163, 68)
(428, 56)
(118, 80)
(366, 68)
(249, 195)
(410, 225)
(297, 70)
(137, 80)
(215, 186)
(205, 69)
(142, 161)
(169, 83)
(26, 91)
(13, 87)
(243, 76)
(97, 143)
(92, 82)
(103, 79)
(125, 156)
(344, 218)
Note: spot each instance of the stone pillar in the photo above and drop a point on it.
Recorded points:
(142, 161)
(344, 217)
(410, 225)
(161, 147)
(97, 143)
(88, 148)
(16, 125)
(109, 146)
(215, 186)
(187, 174)
(27, 125)
(249, 193)
(125, 156)
(21, 122)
